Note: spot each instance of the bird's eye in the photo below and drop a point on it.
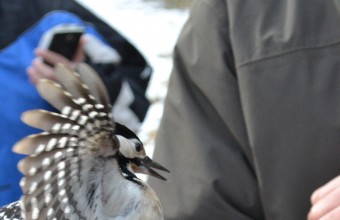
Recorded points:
(139, 147)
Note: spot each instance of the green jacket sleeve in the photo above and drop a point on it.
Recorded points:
(251, 123)
(202, 138)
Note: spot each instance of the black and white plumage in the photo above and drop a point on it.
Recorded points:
(82, 165)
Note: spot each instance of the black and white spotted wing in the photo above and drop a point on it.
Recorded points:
(59, 166)
(11, 211)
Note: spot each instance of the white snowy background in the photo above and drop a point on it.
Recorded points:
(153, 29)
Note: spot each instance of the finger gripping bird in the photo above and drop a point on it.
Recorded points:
(83, 164)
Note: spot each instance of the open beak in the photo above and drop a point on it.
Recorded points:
(145, 166)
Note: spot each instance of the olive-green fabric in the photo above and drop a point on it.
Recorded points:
(251, 124)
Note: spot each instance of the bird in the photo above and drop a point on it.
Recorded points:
(83, 164)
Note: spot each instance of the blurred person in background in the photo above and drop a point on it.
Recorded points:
(123, 69)
(251, 124)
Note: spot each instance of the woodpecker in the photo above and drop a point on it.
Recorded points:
(83, 164)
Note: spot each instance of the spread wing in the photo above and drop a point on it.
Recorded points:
(60, 161)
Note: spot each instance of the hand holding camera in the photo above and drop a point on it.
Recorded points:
(62, 44)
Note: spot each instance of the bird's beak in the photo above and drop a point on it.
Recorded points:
(145, 166)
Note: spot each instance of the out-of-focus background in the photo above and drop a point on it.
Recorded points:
(153, 27)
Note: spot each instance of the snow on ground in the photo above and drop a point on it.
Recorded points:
(154, 31)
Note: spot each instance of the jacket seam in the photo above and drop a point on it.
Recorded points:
(285, 53)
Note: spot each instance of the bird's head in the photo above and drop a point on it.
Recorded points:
(132, 157)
